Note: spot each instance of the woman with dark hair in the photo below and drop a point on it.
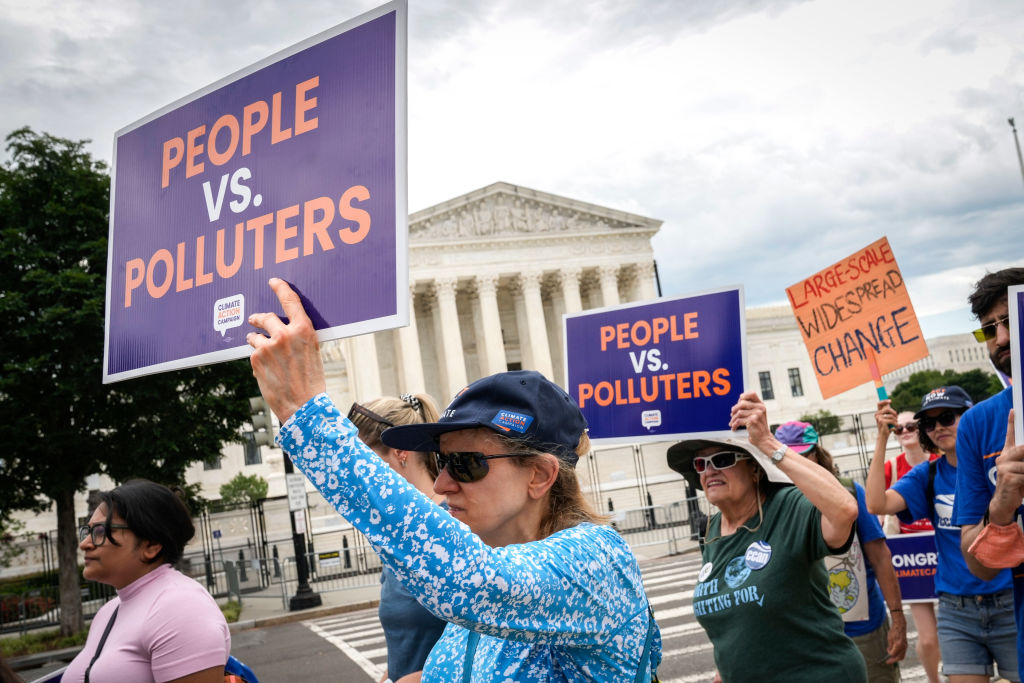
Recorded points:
(975, 617)
(762, 593)
(162, 626)
(410, 630)
(534, 584)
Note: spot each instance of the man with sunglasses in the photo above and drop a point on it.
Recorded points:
(990, 476)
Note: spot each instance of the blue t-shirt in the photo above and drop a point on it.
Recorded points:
(979, 439)
(952, 575)
(410, 631)
(868, 529)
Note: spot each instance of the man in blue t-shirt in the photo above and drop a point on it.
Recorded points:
(982, 498)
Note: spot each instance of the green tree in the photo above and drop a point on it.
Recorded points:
(978, 384)
(824, 421)
(243, 489)
(61, 423)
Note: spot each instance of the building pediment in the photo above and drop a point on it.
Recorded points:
(504, 211)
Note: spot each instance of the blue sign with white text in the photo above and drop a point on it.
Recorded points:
(656, 370)
(915, 561)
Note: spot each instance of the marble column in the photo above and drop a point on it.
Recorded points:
(490, 346)
(364, 373)
(451, 335)
(645, 284)
(540, 350)
(609, 284)
(411, 376)
(569, 278)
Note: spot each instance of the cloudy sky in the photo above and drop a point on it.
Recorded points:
(772, 137)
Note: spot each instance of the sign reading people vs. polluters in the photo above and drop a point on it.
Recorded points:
(651, 371)
(855, 310)
(292, 168)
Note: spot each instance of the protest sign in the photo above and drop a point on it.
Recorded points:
(1015, 304)
(848, 583)
(653, 371)
(852, 310)
(915, 560)
(293, 168)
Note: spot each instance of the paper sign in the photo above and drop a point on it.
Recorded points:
(848, 583)
(915, 561)
(1015, 302)
(292, 168)
(296, 484)
(654, 371)
(852, 309)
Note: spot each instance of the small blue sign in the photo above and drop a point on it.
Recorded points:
(216, 533)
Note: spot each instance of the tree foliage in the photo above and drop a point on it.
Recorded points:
(61, 423)
(824, 421)
(978, 384)
(243, 489)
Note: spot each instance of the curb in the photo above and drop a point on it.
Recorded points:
(304, 615)
(34, 661)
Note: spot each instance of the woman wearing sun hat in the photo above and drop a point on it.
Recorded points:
(975, 620)
(762, 592)
(533, 582)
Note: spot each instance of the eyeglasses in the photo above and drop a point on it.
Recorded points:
(946, 418)
(357, 409)
(909, 427)
(722, 460)
(988, 331)
(468, 466)
(98, 532)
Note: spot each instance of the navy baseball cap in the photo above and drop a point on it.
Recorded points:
(522, 405)
(944, 397)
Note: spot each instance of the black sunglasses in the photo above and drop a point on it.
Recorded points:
(468, 466)
(910, 427)
(988, 330)
(946, 418)
(357, 409)
(722, 460)
(98, 532)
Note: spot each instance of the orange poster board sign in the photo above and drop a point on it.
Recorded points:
(857, 308)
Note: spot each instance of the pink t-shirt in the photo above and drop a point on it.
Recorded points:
(167, 626)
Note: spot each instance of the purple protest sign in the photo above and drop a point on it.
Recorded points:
(1015, 305)
(657, 370)
(915, 561)
(292, 168)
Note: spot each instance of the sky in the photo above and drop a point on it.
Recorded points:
(772, 137)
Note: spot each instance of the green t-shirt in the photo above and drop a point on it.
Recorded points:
(762, 597)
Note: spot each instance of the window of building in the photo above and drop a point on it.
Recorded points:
(252, 450)
(212, 464)
(514, 366)
(767, 392)
(795, 385)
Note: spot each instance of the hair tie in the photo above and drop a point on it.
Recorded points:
(412, 401)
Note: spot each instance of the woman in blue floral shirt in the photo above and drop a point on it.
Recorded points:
(534, 585)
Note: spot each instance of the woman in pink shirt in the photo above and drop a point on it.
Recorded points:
(162, 626)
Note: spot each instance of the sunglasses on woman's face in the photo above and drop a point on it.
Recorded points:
(722, 460)
(909, 427)
(946, 418)
(468, 466)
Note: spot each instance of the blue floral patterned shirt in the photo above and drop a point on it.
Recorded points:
(570, 607)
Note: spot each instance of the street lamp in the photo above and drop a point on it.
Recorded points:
(263, 434)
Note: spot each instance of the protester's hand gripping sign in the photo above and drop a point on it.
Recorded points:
(653, 371)
(291, 168)
(853, 310)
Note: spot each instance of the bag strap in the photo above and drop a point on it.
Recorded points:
(646, 656)
(103, 639)
(467, 665)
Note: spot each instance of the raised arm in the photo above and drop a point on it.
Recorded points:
(881, 501)
(838, 508)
